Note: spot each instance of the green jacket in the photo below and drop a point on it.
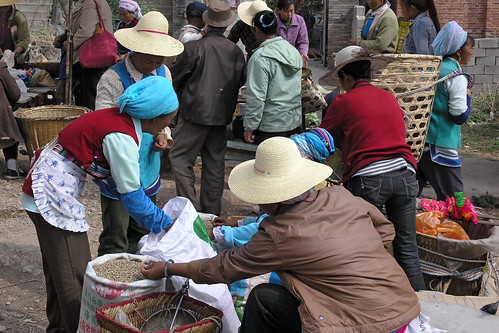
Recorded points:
(20, 33)
(383, 36)
(442, 131)
(273, 96)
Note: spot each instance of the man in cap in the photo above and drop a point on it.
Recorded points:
(207, 76)
(194, 29)
(149, 44)
(327, 246)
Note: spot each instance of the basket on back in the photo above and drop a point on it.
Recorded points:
(40, 125)
(404, 74)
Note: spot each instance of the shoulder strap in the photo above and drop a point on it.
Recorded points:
(125, 77)
(448, 76)
(101, 22)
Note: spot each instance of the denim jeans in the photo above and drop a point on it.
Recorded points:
(396, 191)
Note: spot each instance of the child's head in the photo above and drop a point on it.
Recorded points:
(412, 8)
(194, 14)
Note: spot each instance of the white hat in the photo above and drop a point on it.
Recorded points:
(278, 173)
(8, 2)
(350, 54)
(248, 9)
(150, 36)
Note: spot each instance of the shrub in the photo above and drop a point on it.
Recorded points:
(485, 105)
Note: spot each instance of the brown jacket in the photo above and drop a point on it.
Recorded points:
(330, 254)
(9, 94)
(207, 77)
(85, 19)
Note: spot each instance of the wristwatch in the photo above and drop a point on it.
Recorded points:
(165, 270)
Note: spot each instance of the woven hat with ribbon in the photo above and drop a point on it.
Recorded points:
(150, 36)
(278, 173)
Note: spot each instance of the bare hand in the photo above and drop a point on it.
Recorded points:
(352, 42)
(160, 142)
(304, 59)
(248, 136)
(153, 271)
(223, 221)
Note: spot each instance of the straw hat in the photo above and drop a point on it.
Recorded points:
(150, 36)
(278, 173)
(8, 2)
(247, 10)
(219, 14)
(350, 54)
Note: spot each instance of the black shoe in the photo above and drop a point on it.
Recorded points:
(15, 174)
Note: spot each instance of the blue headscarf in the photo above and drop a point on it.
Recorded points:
(448, 40)
(149, 98)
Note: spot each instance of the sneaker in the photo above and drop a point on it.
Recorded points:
(15, 174)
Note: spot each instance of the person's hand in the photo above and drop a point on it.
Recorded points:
(57, 42)
(223, 221)
(18, 50)
(352, 42)
(160, 142)
(210, 233)
(66, 44)
(153, 270)
(248, 136)
(304, 59)
(122, 57)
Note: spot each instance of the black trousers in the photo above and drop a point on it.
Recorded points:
(271, 308)
(85, 89)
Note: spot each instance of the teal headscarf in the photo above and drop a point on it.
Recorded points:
(448, 40)
(149, 98)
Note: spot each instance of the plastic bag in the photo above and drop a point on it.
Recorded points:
(188, 240)
(451, 229)
(426, 222)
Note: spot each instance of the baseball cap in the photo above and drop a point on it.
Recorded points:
(196, 9)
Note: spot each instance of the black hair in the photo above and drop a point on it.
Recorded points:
(359, 70)
(423, 6)
(283, 4)
(469, 40)
(266, 21)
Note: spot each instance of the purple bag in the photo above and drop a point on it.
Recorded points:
(100, 50)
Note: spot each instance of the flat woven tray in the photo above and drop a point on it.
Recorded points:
(40, 125)
(139, 309)
(406, 73)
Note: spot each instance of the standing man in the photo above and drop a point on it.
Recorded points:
(207, 76)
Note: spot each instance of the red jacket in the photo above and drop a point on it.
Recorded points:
(371, 125)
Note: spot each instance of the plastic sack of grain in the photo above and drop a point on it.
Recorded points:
(99, 291)
(188, 240)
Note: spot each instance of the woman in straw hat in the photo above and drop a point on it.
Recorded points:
(378, 164)
(15, 31)
(327, 246)
(98, 143)
(84, 22)
(149, 44)
(440, 164)
(273, 97)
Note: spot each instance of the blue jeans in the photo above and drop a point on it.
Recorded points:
(396, 191)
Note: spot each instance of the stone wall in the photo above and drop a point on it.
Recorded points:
(484, 65)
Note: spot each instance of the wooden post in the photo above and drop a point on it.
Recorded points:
(69, 57)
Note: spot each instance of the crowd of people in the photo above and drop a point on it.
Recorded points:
(309, 237)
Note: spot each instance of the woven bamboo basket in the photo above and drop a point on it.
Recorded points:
(40, 125)
(140, 309)
(405, 74)
(452, 285)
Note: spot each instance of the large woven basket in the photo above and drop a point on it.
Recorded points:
(466, 279)
(406, 73)
(40, 125)
(140, 309)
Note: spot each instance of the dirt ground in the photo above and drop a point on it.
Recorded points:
(22, 289)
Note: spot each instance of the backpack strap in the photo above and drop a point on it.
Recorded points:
(122, 71)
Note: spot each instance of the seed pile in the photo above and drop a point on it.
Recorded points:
(120, 270)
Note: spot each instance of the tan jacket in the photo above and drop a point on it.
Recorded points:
(330, 254)
(20, 34)
(84, 22)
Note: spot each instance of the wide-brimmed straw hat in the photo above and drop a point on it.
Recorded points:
(247, 10)
(278, 173)
(219, 14)
(8, 2)
(150, 36)
(348, 55)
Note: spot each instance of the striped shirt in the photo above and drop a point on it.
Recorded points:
(384, 166)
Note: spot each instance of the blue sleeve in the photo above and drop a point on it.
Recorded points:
(237, 237)
(461, 119)
(144, 211)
